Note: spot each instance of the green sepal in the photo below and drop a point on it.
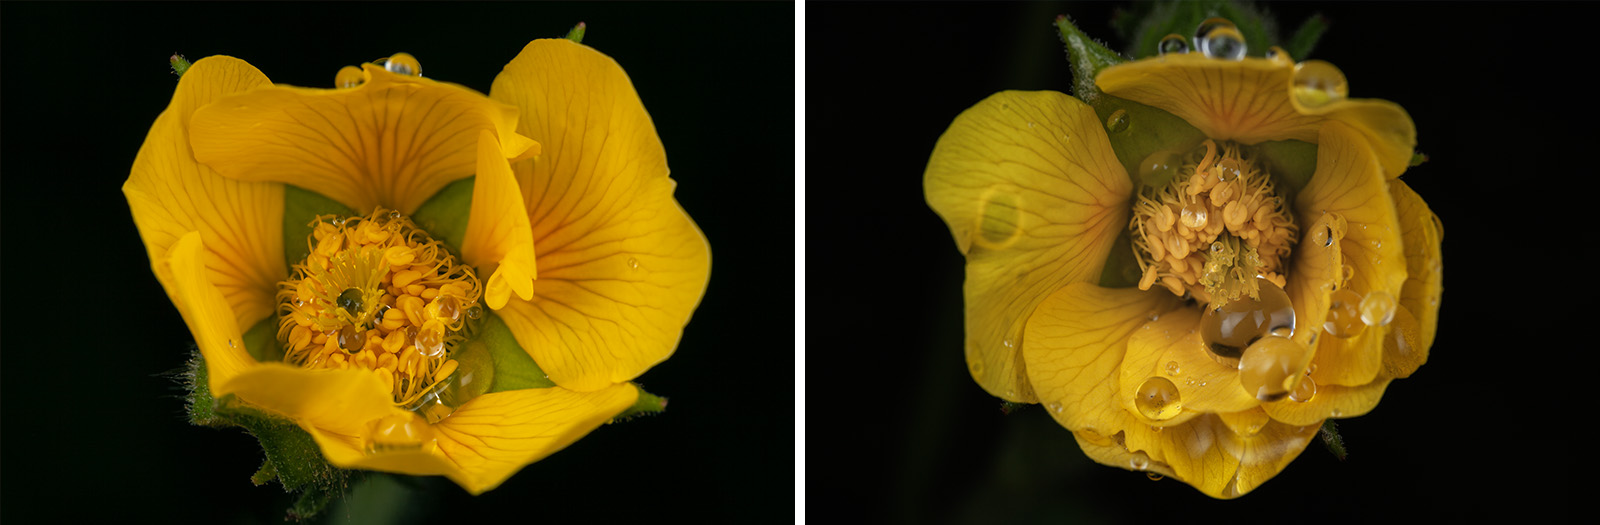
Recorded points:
(300, 208)
(1147, 130)
(514, 369)
(648, 404)
(1331, 439)
(311, 503)
(262, 341)
(1011, 407)
(1122, 268)
(576, 34)
(1417, 158)
(1305, 37)
(1184, 18)
(444, 216)
(179, 64)
(1087, 57)
(1291, 162)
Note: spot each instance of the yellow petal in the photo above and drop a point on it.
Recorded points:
(1035, 197)
(1349, 182)
(1317, 268)
(1074, 348)
(621, 266)
(495, 435)
(1171, 348)
(499, 241)
(394, 141)
(1216, 457)
(341, 401)
(170, 194)
(1385, 126)
(1330, 401)
(1422, 234)
(1244, 101)
(206, 311)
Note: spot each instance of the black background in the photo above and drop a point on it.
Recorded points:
(898, 431)
(94, 431)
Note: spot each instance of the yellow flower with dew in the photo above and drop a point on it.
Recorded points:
(1198, 261)
(423, 279)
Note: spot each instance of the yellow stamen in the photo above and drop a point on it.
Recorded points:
(1216, 227)
(377, 285)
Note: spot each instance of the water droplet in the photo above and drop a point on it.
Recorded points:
(403, 431)
(1007, 343)
(1139, 462)
(348, 77)
(1224, 42)
(1158, 169)
(1153, 476)
(1172, 44)
(1344, 314)
(475, 312)
(1228, 330)
(1001, 222)
(1054, 407)
(350, 300)
(1209, 25)
(231, 344)
(1117, 122)
(1194, 215)
(1279, 55)
(1158, 399)
(1318, 83)
(1173, 369)
(1305, 390)
(1270, 367)
(1377, 308)
(633, 263)
(977, 368)
(352, 339)
(1336, 413)
(403, 64)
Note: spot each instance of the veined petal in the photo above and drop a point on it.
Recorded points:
(393, 141)
(1386, 126)
(1244, 101)
(495, 435)
(1217, 458)
(1317, 268)
(621, 266)
(1035, 197)
(1170, 347)
(170, 194)
(206, 311)
(1421, 233)
(1350, 182)
(499, 241)
(1331, 401)
(342, 401)
(1074, 349)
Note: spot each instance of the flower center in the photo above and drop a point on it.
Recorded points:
(1216, 227)
(379, 294)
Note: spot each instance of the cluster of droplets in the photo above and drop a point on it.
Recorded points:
(399, 64)
(1316, 83)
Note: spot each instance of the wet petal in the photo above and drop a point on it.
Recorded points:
(1385, 126)
(170, 194)
(1245, 101)
(495, 435)
(393, 141)
(1035, 197)
(1221, 460)
(1074, 349)
(621, 266)
(1422, 234)
(1331, 401)
(499, 241)
(206, 311)
(342, 401)
(1171, 347)
(1317, 268)
(1350, 182)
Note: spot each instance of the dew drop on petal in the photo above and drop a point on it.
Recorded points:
(1344, 314)
(1228, 330)
(1173, 44)
(1305, 390)
(1153, 476)
(1224, 42)
(348, 77)
(1377, 308)
(1279, 55)
(403, 64)
(1270, 367)
(1158, 399)
(1318, 83)
(1139, 462)
(1173, 369)
(1117, 122)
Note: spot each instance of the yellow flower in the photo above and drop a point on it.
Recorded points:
(1201, 371)
(383, 334)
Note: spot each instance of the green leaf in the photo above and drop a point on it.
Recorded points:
(576, 34)
(300, 208)
(1331, 439)
(1087, 57)
(444, 216)
(1305, 38)
(514, 369)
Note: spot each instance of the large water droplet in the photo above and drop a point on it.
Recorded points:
(1211, 24)
(1158, 399)
(1305, 391)
(1224, 42)
(1271, 366)
(1377, 308)
(1139, 462)
(398, 432)
(403, 64)
(1318, 83)
(1228, 330)
(1001, 219)
(1194, 215)
(348, 77)
(1344, 314)
(472, 377)
(1117, 122)
(1172, 44)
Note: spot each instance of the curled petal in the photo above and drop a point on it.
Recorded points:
(206, 311)
(1421, 234)
(499, 241)
(1036, 198)
(170, 194)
